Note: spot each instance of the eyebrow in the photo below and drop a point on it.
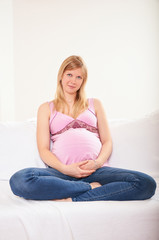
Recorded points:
(69, 72)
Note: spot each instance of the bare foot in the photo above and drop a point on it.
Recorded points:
(63, 200)
(95, 185)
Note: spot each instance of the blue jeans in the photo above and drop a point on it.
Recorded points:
(48, 184)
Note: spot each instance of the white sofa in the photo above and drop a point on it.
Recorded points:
(135, 146)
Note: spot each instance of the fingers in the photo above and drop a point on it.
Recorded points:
(89, 165)
(85, 173)
(82, 163)
(79, 170)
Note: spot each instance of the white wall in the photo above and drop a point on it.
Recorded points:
(7, 97)
(118, 40)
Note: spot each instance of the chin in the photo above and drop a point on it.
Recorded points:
(72, 91)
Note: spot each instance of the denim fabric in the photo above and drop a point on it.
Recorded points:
(48, 184)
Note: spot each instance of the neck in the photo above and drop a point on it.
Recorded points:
(70, 98)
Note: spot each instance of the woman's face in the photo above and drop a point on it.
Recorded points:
(72, 80)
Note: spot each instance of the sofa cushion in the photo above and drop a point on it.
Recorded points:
(22, 219)
(18, 147)
(136, 144)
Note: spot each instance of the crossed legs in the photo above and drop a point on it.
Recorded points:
(106, 183)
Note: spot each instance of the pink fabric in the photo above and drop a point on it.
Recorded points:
(75, 140)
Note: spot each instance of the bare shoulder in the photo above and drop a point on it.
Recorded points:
(98, 105)
(44, 109)
(97, 102)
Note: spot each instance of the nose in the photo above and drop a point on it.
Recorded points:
(73, 80)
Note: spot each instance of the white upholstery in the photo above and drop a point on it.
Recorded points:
(135, 146)
(18, 147)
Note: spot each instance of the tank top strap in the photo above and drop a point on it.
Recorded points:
(53, 113)
(91, 105)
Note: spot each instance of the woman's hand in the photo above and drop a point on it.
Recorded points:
(90, 165)
(78, 170)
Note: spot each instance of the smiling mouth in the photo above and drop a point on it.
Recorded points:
(71, 86)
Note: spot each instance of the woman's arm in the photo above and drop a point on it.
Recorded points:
(43, 138)
(104, 134)
(43, 143)
(105, 137)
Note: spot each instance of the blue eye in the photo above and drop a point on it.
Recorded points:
(69, 74)
(79, 77)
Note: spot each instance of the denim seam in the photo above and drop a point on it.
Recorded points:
(101, 196)
(90, 188)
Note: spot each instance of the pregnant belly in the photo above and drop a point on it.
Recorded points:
(76, 145)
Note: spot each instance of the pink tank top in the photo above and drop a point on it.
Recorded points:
(75, 140)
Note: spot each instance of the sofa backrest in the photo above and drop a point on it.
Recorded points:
(18, 147)
(135, 145)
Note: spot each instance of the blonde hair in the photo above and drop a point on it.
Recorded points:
(70, 63)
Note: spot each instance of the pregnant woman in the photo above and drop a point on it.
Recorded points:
(76, 128)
